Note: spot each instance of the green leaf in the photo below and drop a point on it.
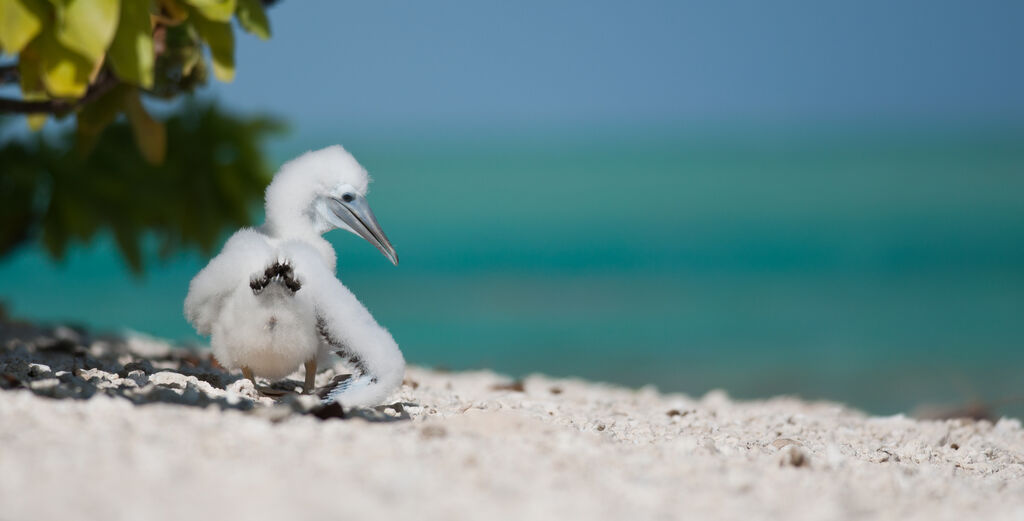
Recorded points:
(253, 19)
(150, 135)
(172, 13)
(65, 73)
(35, 121)
(221, 41)
(87, 26)
(20, 22)
(191, 57)
(214, 10)
(131, 53)
(31, 86)
(97, 115)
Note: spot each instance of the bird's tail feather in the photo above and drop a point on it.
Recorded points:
(360, 391)
(378, 366)
(364, 390)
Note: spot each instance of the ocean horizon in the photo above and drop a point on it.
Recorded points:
(885, 270)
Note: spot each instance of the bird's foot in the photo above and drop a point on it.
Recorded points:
(283, 272)
(310, 384)
(270, 391)
(262, 389)
(258, 283)
(280, 271)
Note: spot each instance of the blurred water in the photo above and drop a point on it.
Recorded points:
(882, 269)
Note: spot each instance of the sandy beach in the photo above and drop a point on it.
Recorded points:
(133, 428)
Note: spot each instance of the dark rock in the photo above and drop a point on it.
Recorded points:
(213, 379)
(517, 386)
(63, 345)
(138, 365)
(331, 410)
(794, 457)
(9, 381)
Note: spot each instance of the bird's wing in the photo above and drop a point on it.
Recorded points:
(244, 253)
(347, 326)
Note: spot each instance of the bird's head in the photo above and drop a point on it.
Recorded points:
(323, 190)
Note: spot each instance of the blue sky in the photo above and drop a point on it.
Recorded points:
(583, 62)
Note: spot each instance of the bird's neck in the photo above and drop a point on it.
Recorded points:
(293, 218)
(301, 229)
(291, 215)
(292, 227)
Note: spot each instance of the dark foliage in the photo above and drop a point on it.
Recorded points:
(53, 192)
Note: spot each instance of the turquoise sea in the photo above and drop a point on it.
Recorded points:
(883, 269)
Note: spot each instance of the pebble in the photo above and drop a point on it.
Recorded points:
(44, 385)
(139, 377)
(64, 363)
(794, 456)
(169, 379)
(36, 370)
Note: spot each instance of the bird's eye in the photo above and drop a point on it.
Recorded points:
(348, 198)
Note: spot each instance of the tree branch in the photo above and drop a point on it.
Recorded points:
(8, 73)
(58, 106)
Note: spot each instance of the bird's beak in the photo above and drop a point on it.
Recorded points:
(356, 214)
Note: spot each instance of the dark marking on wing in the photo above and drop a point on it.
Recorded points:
(340, 349)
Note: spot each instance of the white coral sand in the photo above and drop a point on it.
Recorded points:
(471, 446)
